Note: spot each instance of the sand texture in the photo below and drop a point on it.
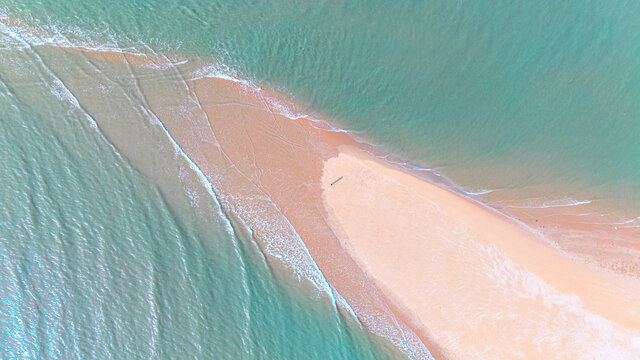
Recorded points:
(480, 283)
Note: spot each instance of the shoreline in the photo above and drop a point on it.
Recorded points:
(296, 152)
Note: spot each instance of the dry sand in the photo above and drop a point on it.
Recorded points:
(480, 283)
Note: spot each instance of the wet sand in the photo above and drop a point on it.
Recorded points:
(418, 264)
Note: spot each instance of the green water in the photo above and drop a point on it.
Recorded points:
(104, 256)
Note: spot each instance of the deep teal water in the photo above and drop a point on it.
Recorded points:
(534, 100)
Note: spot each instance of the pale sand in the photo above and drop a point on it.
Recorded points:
(469, 282)
(480, 283)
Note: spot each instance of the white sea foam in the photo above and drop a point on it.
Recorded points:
(564, 202)
(428, 170)
(219, 71)
(539, 203)
(630, 221)
(478, 192)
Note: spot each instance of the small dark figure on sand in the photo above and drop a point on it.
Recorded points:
(340, 178)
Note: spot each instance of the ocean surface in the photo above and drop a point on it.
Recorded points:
(112, 245)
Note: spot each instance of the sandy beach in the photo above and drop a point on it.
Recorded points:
(419, 264)
(483, 285)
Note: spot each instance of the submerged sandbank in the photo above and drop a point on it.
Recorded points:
(417, 263)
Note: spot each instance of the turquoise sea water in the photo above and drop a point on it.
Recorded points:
(105, 256)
